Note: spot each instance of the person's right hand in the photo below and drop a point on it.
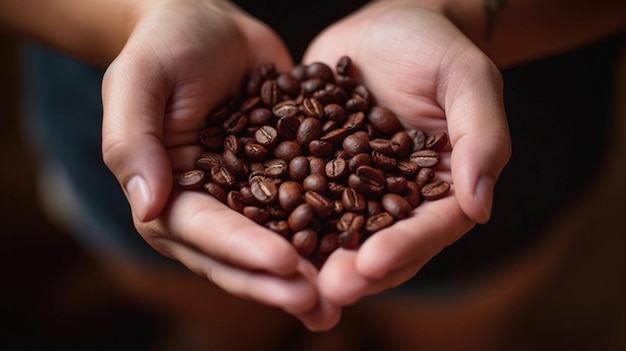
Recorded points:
(183, 58)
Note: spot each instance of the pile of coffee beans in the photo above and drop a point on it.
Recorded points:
(309, 155)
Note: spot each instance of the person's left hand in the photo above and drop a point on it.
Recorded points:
(418, 64)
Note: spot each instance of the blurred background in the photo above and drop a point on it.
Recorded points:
(53, 295)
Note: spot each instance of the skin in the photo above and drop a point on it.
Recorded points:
(170, 62)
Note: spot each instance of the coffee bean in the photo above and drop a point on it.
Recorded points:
(384, 120)
(355, 121)
(256, 152)
(328, 243)
(425, 158)
(396, 205)
(335, 137)
(270, 93)
(300, 217)
(208, 160)
(356, 104)
(305, 241)
(315, 182)
(437, 141)
(212, 138)
(191, 180)
(359, 160)
(407, 169)
(383, 161)
(435, 190)
(396, 184)
(235, 201)
(299, 168)
(322, 205)
(312, 107)
(257, 214)
(309, 129)
(384, 146)
(349, 240)
(418, 137)
(287, 127)
(424, 176)
(322, 149)
(265, 191)
(378, 221)
(276, 168)
(222, 176)
(405, 144)
(236, 123)
(290, 195)
(344, 65)
(335, 112)
(260, 116)
(336, 169)
(412, 194)
(354, 144)
(287, 150)
(279, 227)
(288, 84)
(321, 71)
(267, 136)
(353, 201)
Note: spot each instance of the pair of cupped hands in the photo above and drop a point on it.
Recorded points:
(185, 57)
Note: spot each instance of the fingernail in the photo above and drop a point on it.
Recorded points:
(484, 195)
(139, 196)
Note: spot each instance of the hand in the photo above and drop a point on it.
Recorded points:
(184, 58)
(418, 64)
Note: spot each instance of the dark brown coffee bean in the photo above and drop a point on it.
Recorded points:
(412, 194)
(373, 177)
(309, 129)
(222, 176)
(287, 150)
(359, 160)
(344, 65)
(208, 160)
(341, 96)
(270, 93)
(356, 104)
(322, 205)
(191, 180)
(248, 197)
(260, 116)
(418, 137)
(328, 243)
(218, 115)
(310, 86)
(276, 168)
(425, 158)
(267, 136)
(319, 148)
(435, 190)
(362, 92)
(285, 108)
(256, 152)
(329, 126)
(384, 146)
(384, 120)
(299, 168)
(216, 191)
(345, 82)
(257, 214)
(299, 72)
(353, 145)
(290, 195)
(325, 97)
(320, 70)
(351, 221)
(353, 201)
(355, 121)
(396, 184)
(236, 123)
(407, 169)
(265, 191)
(250, 104)
(279, 227)
(335, 137)
(235, 201)
(288, 84)
(396, 205)
(232, 143)
(335, 112)
(287, 127)
(212, 138)
(317, 165)
(373, 207)
(311, 107)
(384, 162)
(234, 164)
(300, 217)
(424, 176)
(336, 169)
(349, 240)
(405, 144)
(378, 221)
(315, 182)
(304, 241)
(338, 210)
(436, 141)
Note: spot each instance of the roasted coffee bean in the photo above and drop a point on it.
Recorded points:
(350, 240)
(359, 160)
(248, 197)
(329, 126)
(222, 176)
(279, 227)
(396, 205)
(325, 97)
(276, 168)
(345, 82)
(405, 144)
(216, 191)
(277, 212)
(335, 189)
(362, 92)
(384, 120)
(260, 116)
(300, 217)
(250, 104)
(336, 169)
(322, 205)
(232, 143)
(354, 144)
(310, 86)
(424, 176)
(335, 112)
(412, 194)
(371, 176)
(256, 152)
(288, 84)
(267, 136)
(236, 123)
(425, 158)
(328, 243)
(191, 180)
(256, 214)
(384, 146)
(218, 115)
(353, 201)
(290, 195)
(265, 191)
(435, 190)
(341, 96)
(235, 201)
(311, 107)
(304, 241)
(317, 165)
(342, 154)
(287, 150)
(384, 162)
(285, 109)
(320, 70)
(315, 182)
(355, 121)
(373, 207)
(356, 104)
(335, 137)
(270, 93)
(351, 221)
(208, 160)
(338, 210)
(436, 141)
(319, 148)
(378, 221)
(299, 168)
(212, 138)
(299, 72)
(309, 129)
(407, 169)
(287, 127)
(418, 137)
(344, 65)
(396, 184)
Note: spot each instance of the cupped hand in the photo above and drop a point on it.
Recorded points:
(417, 63)
(182, 59)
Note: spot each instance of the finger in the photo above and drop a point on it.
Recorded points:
(432, 227)
(200, 221)
(479, 134)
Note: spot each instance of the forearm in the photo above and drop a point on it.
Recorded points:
(514, 31)
(92, 30)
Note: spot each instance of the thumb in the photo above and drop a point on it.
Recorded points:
(479, 134)
(132, 135)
